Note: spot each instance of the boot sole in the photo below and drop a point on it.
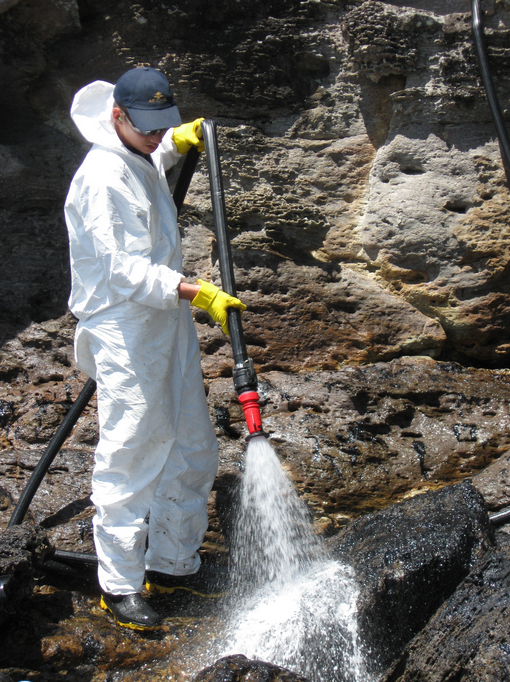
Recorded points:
(131, 626)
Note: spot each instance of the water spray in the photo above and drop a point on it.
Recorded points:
(245, 378)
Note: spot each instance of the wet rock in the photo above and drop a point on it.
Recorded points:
(23, 550)
(61, 504)
(408, 559)
(468, 637)
(353, 440)
(239, 668)
(359, 438)
(64, 634)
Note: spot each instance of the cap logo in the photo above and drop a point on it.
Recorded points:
(158, 97)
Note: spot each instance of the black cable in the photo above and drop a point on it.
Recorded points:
(497, 116)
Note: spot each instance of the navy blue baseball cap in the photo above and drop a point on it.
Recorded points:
(145, 93)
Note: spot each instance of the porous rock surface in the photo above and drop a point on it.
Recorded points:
(364, 187)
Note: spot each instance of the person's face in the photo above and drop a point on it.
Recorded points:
(131, 137)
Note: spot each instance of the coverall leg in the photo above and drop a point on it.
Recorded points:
(157, 450)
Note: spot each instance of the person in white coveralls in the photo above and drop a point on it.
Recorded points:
(157, 451)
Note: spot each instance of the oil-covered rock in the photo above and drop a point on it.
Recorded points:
(408, 559)
(468, 636)
(238, 668)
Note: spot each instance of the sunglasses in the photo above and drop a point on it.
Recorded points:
(145, 133)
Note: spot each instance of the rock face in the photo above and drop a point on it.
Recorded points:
(494, 484)
(447, 256)
(358, 437)
(364, 187)
(408, 559)
(353, 440)
(468, 637)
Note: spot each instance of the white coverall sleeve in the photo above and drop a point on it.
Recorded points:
(121, 241)
(168, 151)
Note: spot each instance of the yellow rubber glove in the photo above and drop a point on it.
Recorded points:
(215, 302)
(188, 135)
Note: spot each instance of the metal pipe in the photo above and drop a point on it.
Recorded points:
(483, 61)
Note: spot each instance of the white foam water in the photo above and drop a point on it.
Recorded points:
(293, 606)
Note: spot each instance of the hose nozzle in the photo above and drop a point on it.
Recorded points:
(251, 408)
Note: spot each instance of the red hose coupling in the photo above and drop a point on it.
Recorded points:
(251, 408)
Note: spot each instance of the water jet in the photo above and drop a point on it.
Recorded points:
(291, 603)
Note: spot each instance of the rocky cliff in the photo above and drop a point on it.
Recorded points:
(365, 191)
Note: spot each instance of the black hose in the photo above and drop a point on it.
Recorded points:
(497, 116)
(245, 378)
(184, 179)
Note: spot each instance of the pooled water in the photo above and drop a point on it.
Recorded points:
(293, 605)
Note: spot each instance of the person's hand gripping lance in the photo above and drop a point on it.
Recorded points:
(216, 302)
(188, 135)
(209, 297)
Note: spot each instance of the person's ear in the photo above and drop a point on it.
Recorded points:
(117, 114)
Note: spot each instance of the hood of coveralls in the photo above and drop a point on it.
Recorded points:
(91, 111)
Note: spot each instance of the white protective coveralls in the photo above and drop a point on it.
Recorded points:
(157, 449)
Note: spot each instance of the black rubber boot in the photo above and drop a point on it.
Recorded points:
(195, 583)
(131, 611)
